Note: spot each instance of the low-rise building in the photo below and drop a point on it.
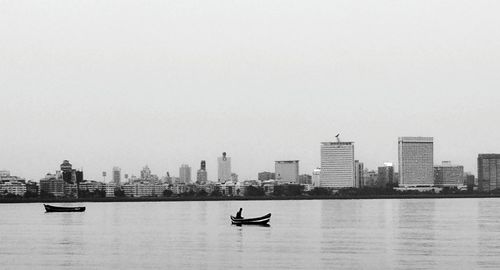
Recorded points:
(14, 188)
(52, 185)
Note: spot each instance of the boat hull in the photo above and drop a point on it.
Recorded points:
(264, 220)
(50, 208)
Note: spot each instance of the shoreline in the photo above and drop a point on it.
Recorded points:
(267, 198)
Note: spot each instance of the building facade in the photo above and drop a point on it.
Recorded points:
(117, 176)
(448, 175)
(224, 168)
(52, 185)
(287, 171)
(201, 175)
(488, 172)
(416, 161)
(337, 165)
(265, 176)
(358, 174)
(385, 175)
(316, 177)
(185, 173)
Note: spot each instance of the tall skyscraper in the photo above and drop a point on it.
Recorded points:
(117, 176)
(224, 168)
(488, 172)
(448, 175)
(316, 177)
(416, 161)
(385, 175)
(287, 171)
(146, 173)
(185, 174)
(201, 176)
(337, 165)
(359, 167)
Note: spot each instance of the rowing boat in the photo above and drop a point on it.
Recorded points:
(51, 208)
(251, 221)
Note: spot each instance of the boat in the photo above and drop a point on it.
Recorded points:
(51, 208)
(251, 221)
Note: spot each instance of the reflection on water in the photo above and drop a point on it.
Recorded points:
(335, 234)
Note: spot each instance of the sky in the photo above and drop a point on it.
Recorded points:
(164, 83)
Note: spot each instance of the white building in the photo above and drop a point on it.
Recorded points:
(316, 177)
(287, 171)
(416, 161)
(185, 174)
(110, 190)
(224, 168)
(337, 165)
(15, 188)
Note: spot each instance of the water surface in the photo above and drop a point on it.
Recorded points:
(322, 234)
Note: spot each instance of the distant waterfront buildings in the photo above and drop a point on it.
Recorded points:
(287, 171)
(305, 179)
(145, 173)
(385, 175)
(201, 175)
(185, 174)
(448, 175)
(224, 168)
(416, 161)
(337, 165)
(359, 167)
(488, 172)
(52, 185)
(316, 177)
(266, 176)
(117, 176)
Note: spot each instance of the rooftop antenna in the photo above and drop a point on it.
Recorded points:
(338, 139)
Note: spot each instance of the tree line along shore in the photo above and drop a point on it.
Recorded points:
(256, 193)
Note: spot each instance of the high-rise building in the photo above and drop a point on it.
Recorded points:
(469, 179)
(316, 177)
(448, 175)
(359, 167)
(224, 168)
(287, 171)
(185, 174)
(488, 172)
(265, 176)
(146, 173)
(385, 175)
(201, 176)
(337, 165)
(416, 161)
(117, 176)
(305, 179)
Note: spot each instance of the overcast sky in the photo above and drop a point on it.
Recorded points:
(130, 83)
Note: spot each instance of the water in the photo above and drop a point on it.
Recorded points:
(334, 234)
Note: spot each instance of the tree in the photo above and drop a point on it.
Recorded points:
(320, 191)
(216, 193)
(167, 193)
(252, 191)
(119, 193)
(30, 194)
(202, 193)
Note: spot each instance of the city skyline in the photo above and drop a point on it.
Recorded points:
(212, 176)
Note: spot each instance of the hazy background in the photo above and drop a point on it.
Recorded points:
(129, 83)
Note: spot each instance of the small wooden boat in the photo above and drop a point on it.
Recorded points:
(251, 221)
(51, 208)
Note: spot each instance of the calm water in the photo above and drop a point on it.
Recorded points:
(357, 234)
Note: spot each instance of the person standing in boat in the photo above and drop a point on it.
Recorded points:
(238, 214)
